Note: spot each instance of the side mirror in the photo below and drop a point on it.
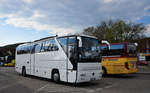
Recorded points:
(136, 44)
(107, 43)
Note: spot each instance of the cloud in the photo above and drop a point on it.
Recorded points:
(107, 1)
(2, 44)
(67, 16)
(28, 1)
(2, 16)
(146, 8)
(31, 23)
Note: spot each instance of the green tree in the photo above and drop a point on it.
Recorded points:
(117, 31)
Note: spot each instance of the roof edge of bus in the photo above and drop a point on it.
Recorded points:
(77, 35)
(57, 36)
(119, 43)
(64, 36)
(45, 38)
(26, 43)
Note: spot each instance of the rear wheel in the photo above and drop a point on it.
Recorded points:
(56, 77)
(24, 71)
(104, 72)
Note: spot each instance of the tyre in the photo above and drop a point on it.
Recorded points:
(104, 72)
(24, 72)
(56, 77)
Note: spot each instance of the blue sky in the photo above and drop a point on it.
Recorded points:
(28, 20)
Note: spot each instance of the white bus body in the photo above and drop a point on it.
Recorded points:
(71, 58)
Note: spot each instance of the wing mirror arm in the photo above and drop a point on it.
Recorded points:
(107, 43)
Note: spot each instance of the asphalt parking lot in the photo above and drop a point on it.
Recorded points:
(12, 82)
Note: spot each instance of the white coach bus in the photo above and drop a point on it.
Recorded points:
(72, 58)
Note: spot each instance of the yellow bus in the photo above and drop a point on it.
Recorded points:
(121, 58)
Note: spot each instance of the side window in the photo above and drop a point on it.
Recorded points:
(46, 46)
(27, 49)
(53, 46)
(23, 50)
(49, 45)
(18, 50)
(63, 43)
(32, 49)
(42, 47)
(37, 48)
(72, 40)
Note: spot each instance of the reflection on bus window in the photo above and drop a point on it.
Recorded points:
(37, 48)
(90, 51)
(116, 49)
(63, 43)
(49, 45)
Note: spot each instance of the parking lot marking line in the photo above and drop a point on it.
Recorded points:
(99, 89)
(108, 86)
(88, 90)
(36, 91)
(111, 85)
(70, 90)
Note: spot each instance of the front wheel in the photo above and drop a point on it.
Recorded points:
(56, 77)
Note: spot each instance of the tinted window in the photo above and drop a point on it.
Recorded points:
(42, 47)
(49, 45)
(117, 49)
(118, 46)
(53, 46)
(32, 49)
(18, 50)
(23, 50)
(37, 48)
(90, 50)
(46, 46)
(72, 40)
(104, 50)
(63, 43)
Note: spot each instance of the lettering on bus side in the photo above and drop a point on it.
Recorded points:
(110, 59)
(46, 46)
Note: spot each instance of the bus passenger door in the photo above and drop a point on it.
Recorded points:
(27, 63)
(72, 59)
(32, 60)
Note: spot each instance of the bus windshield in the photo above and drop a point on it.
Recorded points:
(90, 50)
(119, 50)
(116, 49)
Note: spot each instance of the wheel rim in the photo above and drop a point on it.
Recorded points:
(56, 77)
